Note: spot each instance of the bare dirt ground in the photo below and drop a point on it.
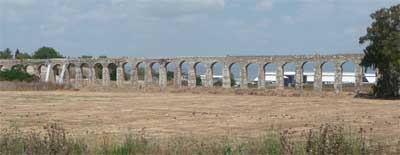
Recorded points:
(170, 114)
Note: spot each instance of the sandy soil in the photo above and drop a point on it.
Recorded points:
(172, 114)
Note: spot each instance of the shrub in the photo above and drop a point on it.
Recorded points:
(17, 75)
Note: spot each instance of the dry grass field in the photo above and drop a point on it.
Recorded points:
(171, 114)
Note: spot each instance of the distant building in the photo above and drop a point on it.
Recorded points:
(327, 77)
(308, 77)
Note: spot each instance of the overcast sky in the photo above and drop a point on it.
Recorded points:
(155, 28)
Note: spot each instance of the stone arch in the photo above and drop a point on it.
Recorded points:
(184, 70)
(71, 69)
(1, 67)
(85, 69)
(127, 70)
(270, 75)
(234, 72)
(140, 71)
(289, 73)
(217, 69)
(98, 71)
(112, 71)
(328, 75)
(56, 72)
(252, 75)
(200, 73)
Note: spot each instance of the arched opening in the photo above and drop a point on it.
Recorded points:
(70, 73)
(98, 71)
(127, 69)
(140, 67)
(56, 72)
(348, 76)
(308, 75)
(184, 67)
(42, 70)
(217, 74)
(200, 71)
(85, 71)
(155, 72)
(234, 71)
(170, 73)
(112, 70)
(1, 67)
(289, 75)
(252, 75)
(328, 76)
(270, 75)
(30, 69)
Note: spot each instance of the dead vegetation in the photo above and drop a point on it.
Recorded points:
(328, 139)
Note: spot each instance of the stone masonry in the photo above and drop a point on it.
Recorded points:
(82, 72)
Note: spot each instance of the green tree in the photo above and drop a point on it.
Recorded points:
(19, 55)
(46, 53)
(86, 57)
(198, 81)
(170, 75)
(140, 73)
(17, 74)
(16, 53)
(6, 54)
(233, 81)
(383, 50)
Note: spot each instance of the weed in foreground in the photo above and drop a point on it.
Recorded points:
(326, 140)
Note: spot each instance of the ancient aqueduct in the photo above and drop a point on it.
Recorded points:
(79, 80)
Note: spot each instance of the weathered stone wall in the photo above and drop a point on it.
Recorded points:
(82, 72)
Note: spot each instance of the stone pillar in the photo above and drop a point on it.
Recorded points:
(43, 72)
(106, 75)
(67, 76)
(243, 76)
(318, 77)
(226, 80)
(261, 76)
(178, 75)
(192, 75)
(299, 76)
(359, 76)
(338, 77)
(93, 77)
(52, 76)
(148, 76)
(134, 74)
(120, 75)
(90, 74)
(35, 70)
(209, 82)
(163, 76)
(280, 80)
(78, 76)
